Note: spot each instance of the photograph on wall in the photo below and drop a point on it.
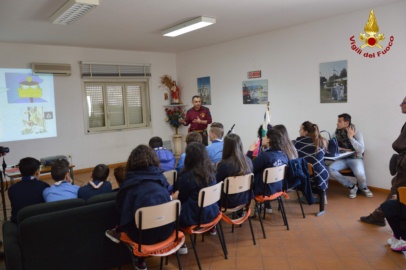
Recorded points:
(204, 90)
(255, 92)
(333, 82)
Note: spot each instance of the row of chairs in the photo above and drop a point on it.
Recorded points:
(160, 215)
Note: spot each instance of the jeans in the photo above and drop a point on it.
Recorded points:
(357, 167)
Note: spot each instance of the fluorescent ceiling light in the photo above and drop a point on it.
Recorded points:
(72, 10)
(188, 26)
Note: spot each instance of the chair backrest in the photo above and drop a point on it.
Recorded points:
(274, 174)
(402, 195)
(171, 176)
(209, 195)
(238, 184)
(158, 215)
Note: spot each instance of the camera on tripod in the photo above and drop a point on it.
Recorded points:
(4, 150)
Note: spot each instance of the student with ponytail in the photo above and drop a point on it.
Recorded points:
(312, 147)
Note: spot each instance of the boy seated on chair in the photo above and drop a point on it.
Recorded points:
(166, 158)
(29, 190)
(98, 184)
(62, 189)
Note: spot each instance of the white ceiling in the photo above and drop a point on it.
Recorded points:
(137, 24)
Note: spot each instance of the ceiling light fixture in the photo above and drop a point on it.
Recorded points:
(188, 26)
(72, 10)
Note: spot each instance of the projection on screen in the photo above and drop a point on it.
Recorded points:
(27, 105)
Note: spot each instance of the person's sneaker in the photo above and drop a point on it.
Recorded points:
(213, 231)
(141, 265)
(113, 236)
(268, 210)
(183, 250)
(392, 240)
(353, 192)
(371, 220)
(367, 192)
(399, 245)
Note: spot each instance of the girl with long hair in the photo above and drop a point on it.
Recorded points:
(312, 147)
(234, 163)
(287, 147)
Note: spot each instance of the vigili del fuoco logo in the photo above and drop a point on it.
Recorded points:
(371, 38)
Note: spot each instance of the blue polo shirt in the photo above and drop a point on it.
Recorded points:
(215, 151)
(64, 191)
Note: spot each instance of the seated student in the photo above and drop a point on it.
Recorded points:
(98, 184)
(62, 189)
(395, 214)
(166, 158)
(145, 185)
(215, 149)
(288, 147)
(191, 137)
(198, 173)
(312, 147)
(233, 163)
(272, 156)
(119, 174)
(29, 190)
(257, 149)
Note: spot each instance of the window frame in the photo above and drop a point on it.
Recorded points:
(145, 103)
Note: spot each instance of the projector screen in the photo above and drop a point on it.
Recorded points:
(27, 105)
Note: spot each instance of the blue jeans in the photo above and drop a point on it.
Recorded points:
(357, 167)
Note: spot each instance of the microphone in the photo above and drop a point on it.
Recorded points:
(231, 130)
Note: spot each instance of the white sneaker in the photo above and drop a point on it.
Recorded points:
(353, 192)
(399, 245)
(367, 193)
(392, 240)
(183, 250)
(268, 210)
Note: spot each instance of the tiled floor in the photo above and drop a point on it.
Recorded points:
(337, 240)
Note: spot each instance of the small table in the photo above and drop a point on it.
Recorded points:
(14, 173)
(340, 156)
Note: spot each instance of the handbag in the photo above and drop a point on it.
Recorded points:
(393, 164)
(332, 148)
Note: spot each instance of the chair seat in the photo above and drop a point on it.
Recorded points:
(262, 198)
(161, 249)
(236, 221)
(195, 229)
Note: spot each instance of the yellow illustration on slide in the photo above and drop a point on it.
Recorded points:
(29, 89)
(33, 121)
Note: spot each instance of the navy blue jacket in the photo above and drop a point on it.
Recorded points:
(88, 190)
(188, 195)
(267, 159)
(146, 187)
(225, 169)
(298, 176)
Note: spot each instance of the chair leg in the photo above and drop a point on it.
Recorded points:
(222, 240)
(252, 231)
(321, 194)
(178, 258)
(166, 260)
(283, 212)
(300, 203)
(257, 206)
(195, 251)
(161, 263)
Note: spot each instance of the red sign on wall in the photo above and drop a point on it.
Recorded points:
(254, 74)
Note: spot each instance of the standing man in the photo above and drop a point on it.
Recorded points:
(350, 140)
(198, 117)
(399, 180)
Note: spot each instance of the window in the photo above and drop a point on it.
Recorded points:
(116, 96)
(116, 105)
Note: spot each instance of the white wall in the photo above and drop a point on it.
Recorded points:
(290, 60)
(87, 150)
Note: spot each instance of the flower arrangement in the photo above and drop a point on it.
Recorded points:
(167, 81)
(173, 115)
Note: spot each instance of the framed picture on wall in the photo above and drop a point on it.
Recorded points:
(255, 92)
(333, 82)
(204, 90)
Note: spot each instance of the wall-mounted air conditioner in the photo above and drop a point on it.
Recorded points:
(50, 68)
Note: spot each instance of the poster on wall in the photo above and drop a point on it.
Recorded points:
(255, 92)
(333, 82)
(204, 90)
